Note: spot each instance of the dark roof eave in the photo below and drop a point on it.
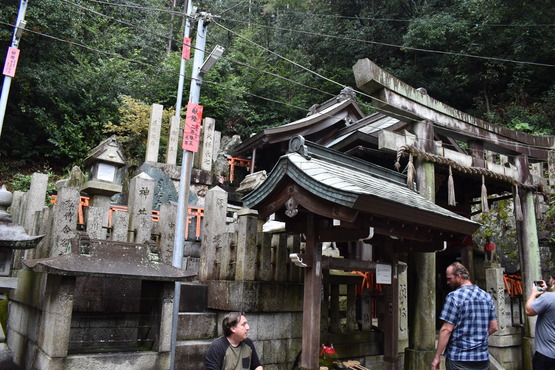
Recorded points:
(104, 258)
(275, 134)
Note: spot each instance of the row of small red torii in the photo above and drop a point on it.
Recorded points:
(194, 212)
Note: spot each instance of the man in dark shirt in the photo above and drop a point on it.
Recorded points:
(233, 351)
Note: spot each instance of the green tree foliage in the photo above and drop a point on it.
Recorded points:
(132, 130)
(73, 68)
(282, 56)
(513, 31)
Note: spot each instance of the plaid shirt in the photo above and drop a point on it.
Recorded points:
(470, 310)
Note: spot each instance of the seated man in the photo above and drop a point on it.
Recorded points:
(233, 351)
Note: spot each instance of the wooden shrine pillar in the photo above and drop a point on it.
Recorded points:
(312, 300)
(391, 324)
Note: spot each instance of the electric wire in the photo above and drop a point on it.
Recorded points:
(474, 24)
(140, 7)
(234, 6)
(177, 41)
(120, 21)
(343, 86)
(416, 20)
(402, 47)
(384, 111)
(227, 87)
(278, 55)
(277, 76)
(354, 39)
(164, 36)
(155, 67)
(191, 46)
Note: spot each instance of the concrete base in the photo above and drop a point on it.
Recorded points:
(420, 359)
(6, 358)
(506, 351)
(194, 326)
(255, 296)
(189, 354)
(113, 361)
(509, 358)
(527, 353)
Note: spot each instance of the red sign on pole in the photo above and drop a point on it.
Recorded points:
(11, 61)
(186, 52)
(191, 133)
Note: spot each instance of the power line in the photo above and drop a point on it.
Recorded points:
(234, 6)
(226, 87)
(263, 71)
(98, 51)
(177, 41)
(362, 40)
(140, 7)
(402, 47)
(118, 20)
(358, 91)
(417, 20)
(278, 55)
(278, 76)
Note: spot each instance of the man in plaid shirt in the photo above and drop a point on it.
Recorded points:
(468, 319)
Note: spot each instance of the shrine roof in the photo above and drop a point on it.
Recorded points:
(106, 258)
(363, 187)
(338, 112)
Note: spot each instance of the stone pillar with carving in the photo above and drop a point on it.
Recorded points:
(505, 344)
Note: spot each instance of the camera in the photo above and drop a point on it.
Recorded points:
(539, 284)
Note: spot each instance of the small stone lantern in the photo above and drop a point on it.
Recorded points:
(102, 165)
(12, 236)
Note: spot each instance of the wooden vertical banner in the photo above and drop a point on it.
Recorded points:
(186, 53)
(191, 133)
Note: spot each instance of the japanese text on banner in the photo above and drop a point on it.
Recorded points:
(191, 133)
(11, 62)
(186, 53)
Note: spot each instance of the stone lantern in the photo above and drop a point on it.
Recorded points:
(102, 164)
(12, 236)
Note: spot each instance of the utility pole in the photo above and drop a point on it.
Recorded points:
(200, 67)
(17, 32)
(182, 207)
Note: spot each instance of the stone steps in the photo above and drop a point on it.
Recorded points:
(196, 328)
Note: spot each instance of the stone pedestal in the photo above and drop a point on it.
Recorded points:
(416, 359)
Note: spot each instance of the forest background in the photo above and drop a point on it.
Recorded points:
(90, 68)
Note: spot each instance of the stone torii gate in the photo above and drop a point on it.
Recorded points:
(430, 119)
(328, 196)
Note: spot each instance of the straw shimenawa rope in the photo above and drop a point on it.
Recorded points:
(411, 151)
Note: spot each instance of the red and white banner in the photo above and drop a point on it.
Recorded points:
(11, 62)
(186, 52)
(191, 133)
